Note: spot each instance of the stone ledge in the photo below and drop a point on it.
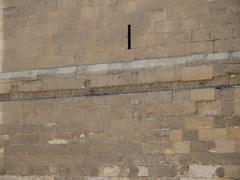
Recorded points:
(216, 83)
(199, 59)
(215, 70)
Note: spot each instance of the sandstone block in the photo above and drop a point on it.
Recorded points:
(202, 171)
(213, 134)
(237, 107)
(219, 107)
(189, 11)
(159, 75)
(234, 134)
(2, 151)
(47, 29)
(31, 86)
(156, 148)
(110, 171)
(190, 135)
(227, 44)
(203, 94)
(181, 95)
(225, 146)
(5, 88)
(58, 141)
(163, 172)
(227, 107)
(167, 26)
(176, 135)
(129, 7)
(226, 69)
(237, 92)
(197, 73)
(199, 122)
(169, 109)
(142, 171)
(190, 23)
(90, 12)
(181, 147)
(232, 171)
(210, 108)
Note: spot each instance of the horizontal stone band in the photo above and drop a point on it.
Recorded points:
(147, 63)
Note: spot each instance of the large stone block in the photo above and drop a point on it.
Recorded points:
(234, 134)
(237, 92)
(167, 26)
(218, 107)
(213, 134)
(203, 94)
(202, 171)
(110, 171)
(5, 88)
(237, 107)
(170, 109)
(156, 148)
(227, 44)
(176, 135)
(199, 122)
(197, 73)
(225, 146)
(181, 147)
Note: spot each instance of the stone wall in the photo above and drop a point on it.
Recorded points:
(175, 118)
(55, 33)
(76, 104)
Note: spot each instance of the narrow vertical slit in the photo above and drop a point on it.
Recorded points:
(129, 37)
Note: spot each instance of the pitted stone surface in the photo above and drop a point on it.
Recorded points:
(77, 104)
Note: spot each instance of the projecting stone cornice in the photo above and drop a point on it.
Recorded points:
(221, 70)
(192, 60)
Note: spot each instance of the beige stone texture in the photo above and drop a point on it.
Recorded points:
(203, 94)
(237, 92)
(74, 33)
(176, 135)
(225, 146)
(181, 147)
(199, 122)
(213, 134)
(5, 88)
(202, 171)
(77, 104)
(197, 73)
(237, 106)
(142, 171)
(234, 133)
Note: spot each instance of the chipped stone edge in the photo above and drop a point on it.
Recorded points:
(138, 64)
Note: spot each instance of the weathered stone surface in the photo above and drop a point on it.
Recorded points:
(77, 104)
(213, 134)
(176, 135)
(159, 29)
(197, 73)
(225, 146)
(203, 94)
(111, 171)
(181, 147)
(199, 122)
(202, 171)
(234, 133)
(142, 171)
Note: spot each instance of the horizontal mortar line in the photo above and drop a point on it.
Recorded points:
(144, 63)
(217, 83)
